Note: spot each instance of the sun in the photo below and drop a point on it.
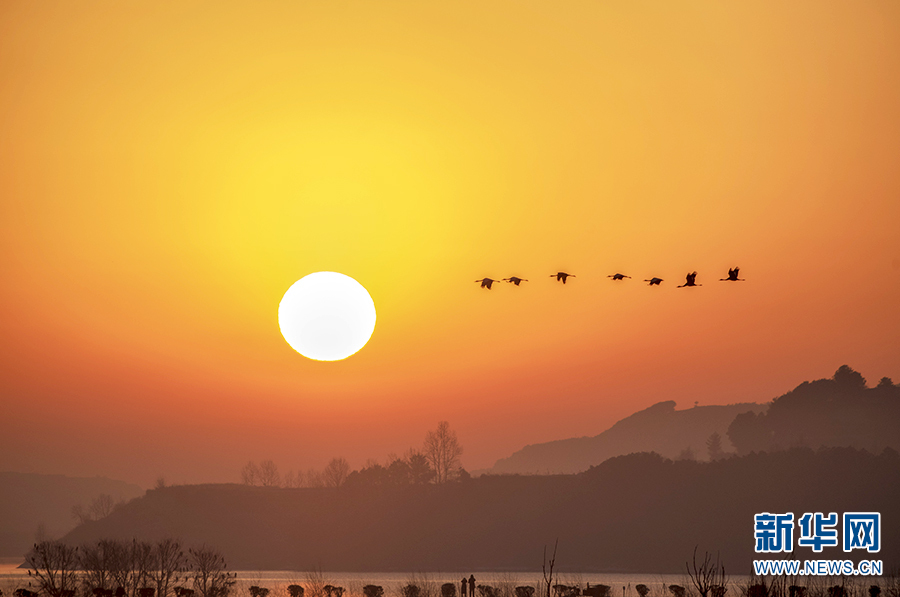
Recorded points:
(326, 316)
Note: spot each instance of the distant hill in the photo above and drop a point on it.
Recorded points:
(660, 429)
(640, 513)
(841, 411)
(28, 501)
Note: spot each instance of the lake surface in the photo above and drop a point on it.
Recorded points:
(12, 577)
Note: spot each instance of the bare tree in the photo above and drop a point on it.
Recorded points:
(336, 472)
(250, 474)
(707, 575)
(442, 450)
(80, 513)
(168, 564)
(547, 568)
(54, 565)
(121, 567)
(314, 478)
(292, 479)
(113, 566)
(101, 506)
(141, 556)
(268, 474)
(97, 562)
(209, 572)
(126, 566)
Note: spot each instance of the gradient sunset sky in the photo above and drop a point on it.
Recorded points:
(169, 169)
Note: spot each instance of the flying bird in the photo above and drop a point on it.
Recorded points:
(618, 276)
(561, 276)
(514, 280)
(732, 276)
(654, 281)
(689, 280)
(486, 282)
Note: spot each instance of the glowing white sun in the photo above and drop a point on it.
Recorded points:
(326, 316)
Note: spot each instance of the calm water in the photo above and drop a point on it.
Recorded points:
(12, 577)
(622, 584)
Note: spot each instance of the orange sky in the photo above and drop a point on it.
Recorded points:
(169, 169)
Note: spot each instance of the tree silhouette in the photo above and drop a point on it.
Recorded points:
(168, 562)
(848, 378)
(442, 450)
(714, 446)
(420, 472)
(54, 566)
(706, 574)
(268, 474)
(100, 507)
(335, 474)
(250, 474)
(547, 568)
(839, 411)
(209, 572)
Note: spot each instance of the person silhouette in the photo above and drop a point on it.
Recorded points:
(471, 585)
(462, 587)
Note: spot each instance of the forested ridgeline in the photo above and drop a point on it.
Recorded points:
(838, 411)
(639, 512)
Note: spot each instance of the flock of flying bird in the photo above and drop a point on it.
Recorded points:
(691, 279)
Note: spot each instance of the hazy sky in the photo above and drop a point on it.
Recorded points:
(169, 169)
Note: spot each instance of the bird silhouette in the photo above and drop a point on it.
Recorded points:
(486, 282)
(689, 280)
(514, 280)
(618, 276)
(561, 276)
(654, 281)
(732, 276)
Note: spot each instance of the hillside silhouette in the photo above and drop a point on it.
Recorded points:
(29, 501)
(659, 428)
(840, 411)
(639, 512)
